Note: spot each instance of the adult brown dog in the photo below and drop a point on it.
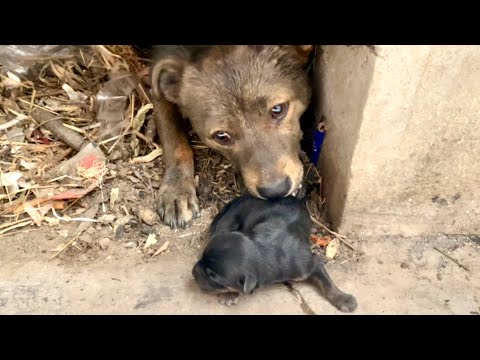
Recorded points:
(244, 101)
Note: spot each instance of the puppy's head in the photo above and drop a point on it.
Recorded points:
(246, 103)
(224, 267)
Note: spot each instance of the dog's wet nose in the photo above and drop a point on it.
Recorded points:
(276, 189)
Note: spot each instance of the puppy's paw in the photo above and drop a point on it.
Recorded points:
(345, 302)
(228, 299)
(178, 202)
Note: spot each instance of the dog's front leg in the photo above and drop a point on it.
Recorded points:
(178, 203)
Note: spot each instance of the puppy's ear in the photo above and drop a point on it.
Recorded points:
(215, 277)
(166, 76)
(249, 283)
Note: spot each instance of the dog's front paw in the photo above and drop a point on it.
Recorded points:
(345, 302)
(228, 299)
(178, 202)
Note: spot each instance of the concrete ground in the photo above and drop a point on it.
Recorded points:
(393, 276)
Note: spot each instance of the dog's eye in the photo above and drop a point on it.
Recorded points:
(279, 111)
(221, 137)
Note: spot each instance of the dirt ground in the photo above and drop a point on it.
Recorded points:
(395, 276)
(108, 270)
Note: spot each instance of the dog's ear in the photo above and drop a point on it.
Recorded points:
(166, 76)
(249, 283)
(216, 278)
(301, 51)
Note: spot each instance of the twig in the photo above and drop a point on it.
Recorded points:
(214, 193)
(10, 124)
(63, 249)
(21, 224)
(55, 125)
(449, 257)
(338, 236)
(103, 142)
(17, 232)
(3, 226)
(29, 103)
(324, 227)
(184, 235)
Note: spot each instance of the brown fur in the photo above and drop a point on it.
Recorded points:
(230, 89)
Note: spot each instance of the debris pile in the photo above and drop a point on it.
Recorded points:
(78, 150)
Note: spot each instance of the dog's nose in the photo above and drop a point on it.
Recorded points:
(276, 189)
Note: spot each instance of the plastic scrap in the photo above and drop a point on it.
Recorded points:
(112, 101)
(22, 58)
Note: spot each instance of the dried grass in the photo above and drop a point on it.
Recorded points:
(64, 87)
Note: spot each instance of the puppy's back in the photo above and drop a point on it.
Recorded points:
(253, 216)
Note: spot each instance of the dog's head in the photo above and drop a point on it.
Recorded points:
(224, 267)
(246, 103)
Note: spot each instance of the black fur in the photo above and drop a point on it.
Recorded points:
(255, 243)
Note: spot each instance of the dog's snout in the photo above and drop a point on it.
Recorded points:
(276, 189)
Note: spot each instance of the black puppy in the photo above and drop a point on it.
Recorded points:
(255, 243)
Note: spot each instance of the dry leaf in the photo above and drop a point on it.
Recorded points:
(151, 240)
(51, 221)
(114, 196)
(28, 165)
(75, 96)
(147, 158)
(10, 180)
(13, 77)
(37, 213)
(162, 248)
(140, 117)
(332, 249)
(321, 240)
(12, 81)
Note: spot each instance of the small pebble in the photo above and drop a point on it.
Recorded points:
(404, 265)
(119, 232)
(63, 233)
(123, 172)
(86, 238)
(147, 216)
(104, 243)
(106, 219)
(116, 155)
(146, 229)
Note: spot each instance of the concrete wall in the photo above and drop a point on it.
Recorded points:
(402, 149)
